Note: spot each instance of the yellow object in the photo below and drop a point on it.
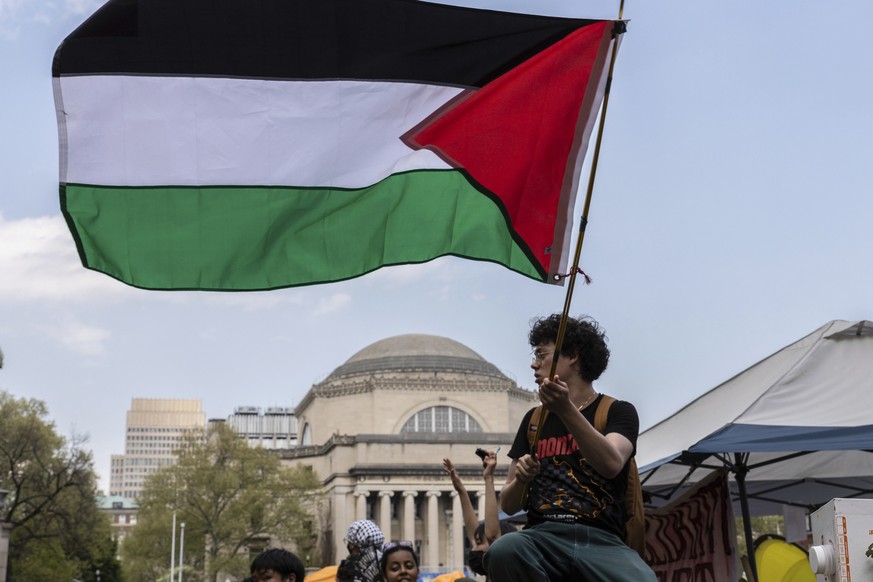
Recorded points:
(326, 574)
(446, 577)
(779, 561)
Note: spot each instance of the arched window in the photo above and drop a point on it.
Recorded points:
(441, 419)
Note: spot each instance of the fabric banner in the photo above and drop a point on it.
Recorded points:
(692, 539)
(239, 145)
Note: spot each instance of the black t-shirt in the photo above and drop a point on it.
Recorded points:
(567, 488)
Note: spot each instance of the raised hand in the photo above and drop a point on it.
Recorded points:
(449, 468)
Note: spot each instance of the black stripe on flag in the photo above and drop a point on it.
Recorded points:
(393, 40)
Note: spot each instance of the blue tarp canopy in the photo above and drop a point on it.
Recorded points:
(796, 426)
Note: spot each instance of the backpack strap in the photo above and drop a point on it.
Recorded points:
(602, 412)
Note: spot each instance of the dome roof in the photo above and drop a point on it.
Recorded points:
(415, 353)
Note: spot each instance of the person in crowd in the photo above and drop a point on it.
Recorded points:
(476, 559)
(346, 571)
(277, 565)
(364, 542)
(573, 485)
(399, 563)
(481, 535)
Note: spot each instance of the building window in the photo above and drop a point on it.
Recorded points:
(441, 419)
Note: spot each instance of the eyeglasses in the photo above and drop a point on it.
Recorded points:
(539, 355)
(405, 544)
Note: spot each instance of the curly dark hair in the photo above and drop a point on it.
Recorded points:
(281, 561)
(583, 337)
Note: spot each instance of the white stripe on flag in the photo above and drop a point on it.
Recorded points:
(141, 131)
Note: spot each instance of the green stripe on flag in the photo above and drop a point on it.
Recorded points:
(250, 238)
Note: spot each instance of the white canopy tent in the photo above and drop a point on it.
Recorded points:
(796, 428)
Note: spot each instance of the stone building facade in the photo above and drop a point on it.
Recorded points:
(376, 431)
(122, 515)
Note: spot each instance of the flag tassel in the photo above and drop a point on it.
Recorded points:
(579, 271)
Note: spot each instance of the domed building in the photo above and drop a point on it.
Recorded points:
(378, 427)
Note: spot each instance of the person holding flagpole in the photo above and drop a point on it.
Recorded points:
(573, 485)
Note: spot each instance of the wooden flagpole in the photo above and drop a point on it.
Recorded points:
(574, 269)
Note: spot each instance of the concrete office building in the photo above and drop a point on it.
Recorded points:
(154, 430)
(376, 431)
(274, 427)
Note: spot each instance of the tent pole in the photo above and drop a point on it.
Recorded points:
(740, 470)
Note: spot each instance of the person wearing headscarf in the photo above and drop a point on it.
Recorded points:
(364, 540)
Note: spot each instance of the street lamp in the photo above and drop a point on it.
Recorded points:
(173, 550)
(181, 549)
(4, 531)
(97, 573)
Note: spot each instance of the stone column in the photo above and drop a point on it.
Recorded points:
(457, 533)
(408, 528)
(361, 497)
(433, 532)
(343, 515)
(385, 513)
(480, 504)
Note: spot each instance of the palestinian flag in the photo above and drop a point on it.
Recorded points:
(256, 144)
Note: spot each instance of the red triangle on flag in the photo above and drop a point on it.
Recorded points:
(522, 136)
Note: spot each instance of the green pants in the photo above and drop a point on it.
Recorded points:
(561, 552)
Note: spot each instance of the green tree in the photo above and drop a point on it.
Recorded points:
(761, 524)
(57, 531)
(234, 500)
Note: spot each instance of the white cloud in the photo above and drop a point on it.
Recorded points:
(9, 10)
(257, 300)
(17, 13)
(79, 7)
(332, 304)
(208, 335)
(38, 261)
(442, 269)
(78, 337)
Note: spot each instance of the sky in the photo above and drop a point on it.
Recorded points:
(731, 216)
